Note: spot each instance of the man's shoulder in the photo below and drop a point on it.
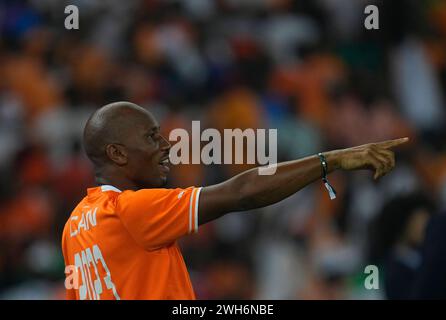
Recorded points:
(148, 192)
(153, 197)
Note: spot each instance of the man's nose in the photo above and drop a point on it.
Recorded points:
(165, 144)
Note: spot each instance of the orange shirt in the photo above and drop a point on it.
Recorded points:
(123, 244)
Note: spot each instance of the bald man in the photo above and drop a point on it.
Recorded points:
(120, 242)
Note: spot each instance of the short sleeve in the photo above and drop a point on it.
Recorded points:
(157, 217)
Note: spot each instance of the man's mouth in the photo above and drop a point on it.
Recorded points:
(164, 165)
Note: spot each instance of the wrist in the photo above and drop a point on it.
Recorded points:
(329, 162)
(333, 160)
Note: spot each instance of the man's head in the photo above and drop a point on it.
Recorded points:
(123, 141)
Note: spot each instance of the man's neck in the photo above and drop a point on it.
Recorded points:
(117, 182)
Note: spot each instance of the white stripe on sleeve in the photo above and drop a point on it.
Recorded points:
(190, 209)
(196, 210)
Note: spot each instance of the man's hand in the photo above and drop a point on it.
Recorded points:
(373, 156)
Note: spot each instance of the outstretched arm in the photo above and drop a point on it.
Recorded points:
(249, 190)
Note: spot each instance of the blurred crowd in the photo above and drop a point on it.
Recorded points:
(306, 68)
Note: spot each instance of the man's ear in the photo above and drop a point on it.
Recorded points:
(116, 153)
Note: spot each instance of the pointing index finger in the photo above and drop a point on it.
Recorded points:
(393, 143)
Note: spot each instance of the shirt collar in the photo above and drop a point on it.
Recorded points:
(107, 187)
(103, 188)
